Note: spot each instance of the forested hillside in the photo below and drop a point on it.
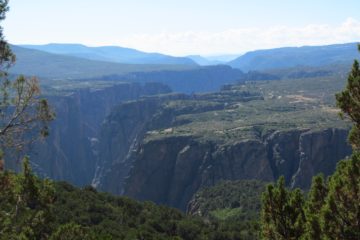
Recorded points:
(41, 209)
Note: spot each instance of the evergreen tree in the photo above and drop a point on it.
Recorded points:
(283, 216)
(315, 201)
(24, 205)
(22, 112)
(72, 231)
(332, 210)
(349, 103)
(341, 213)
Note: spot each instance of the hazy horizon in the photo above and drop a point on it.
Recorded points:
(214, 56)
(207, 28)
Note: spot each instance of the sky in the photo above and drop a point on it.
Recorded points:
(184, 27)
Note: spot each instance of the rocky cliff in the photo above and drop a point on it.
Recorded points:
(122, 130)
(165, 149)
(69, 153)
(169, 171)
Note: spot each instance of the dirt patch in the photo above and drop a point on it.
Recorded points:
(330, 109)
(300, 98)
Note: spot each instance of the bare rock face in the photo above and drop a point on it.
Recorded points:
(183, 165)
(140, 156)
(283, 152)
(170, 170)
(319, 152)
(70, 152)
(119, 135)
(123, 132)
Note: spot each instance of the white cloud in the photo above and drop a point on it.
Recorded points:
(244, 39)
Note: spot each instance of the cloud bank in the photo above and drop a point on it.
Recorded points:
(244, 39)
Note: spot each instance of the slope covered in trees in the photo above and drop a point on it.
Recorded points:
(228, 200)
(31, 208)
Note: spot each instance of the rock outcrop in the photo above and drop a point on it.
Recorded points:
(69, 153)
(146, 152)
(169, 171)
(179, 166)
(319, 152)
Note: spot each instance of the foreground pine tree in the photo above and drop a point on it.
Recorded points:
(349, 103)
(331, 209)
(313, 206)
(24, 116)
(341, 212)
(282, 214)
(24, 205)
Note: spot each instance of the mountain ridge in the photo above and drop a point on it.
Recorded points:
(56, 66)
(287, 57)
(110, 54)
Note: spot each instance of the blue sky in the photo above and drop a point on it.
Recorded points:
(182, 27)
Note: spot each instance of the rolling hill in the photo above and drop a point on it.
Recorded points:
(213, 60)
(111, 54)
(314, 56)
(203, 61)
(62, 67)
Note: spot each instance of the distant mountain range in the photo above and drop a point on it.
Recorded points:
(75, 61)
(289, 57)
(57, 66)
(111, 54)
(212, 60)
(204, 61)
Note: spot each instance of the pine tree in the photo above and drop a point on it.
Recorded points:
(72, 231)
(332, 210)
(24, 205)
(349, 102)
(22, 112)
(283, 216)
(314, 204)
(341, 214)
